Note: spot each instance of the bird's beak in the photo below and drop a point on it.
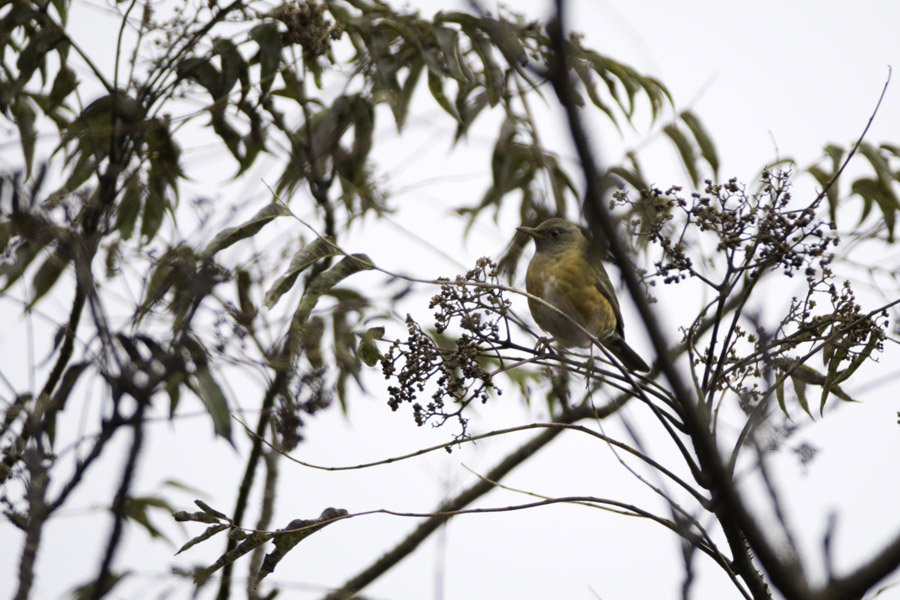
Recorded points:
(529, 231)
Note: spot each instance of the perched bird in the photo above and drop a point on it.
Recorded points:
(562, 273)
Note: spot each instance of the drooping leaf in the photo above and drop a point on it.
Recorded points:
(58, 403)
(209, 510)
(47, 274)
(703, 139)
(367, 350)
(64, 84)
(137, 509)
(351, 264)
(216, 404)
(208, 533)
(399, 103)
(232, 63)
(249, 228)
(268, 38)
(685, 151)
(872, 191)
(316, 250)
(252, 541)
(24, 117)
(129, 207)
(311, 341)
(436, 86)
(296, 531)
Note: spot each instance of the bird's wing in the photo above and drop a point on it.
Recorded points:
(604, 286)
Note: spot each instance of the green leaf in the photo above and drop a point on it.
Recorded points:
(5, 235)
(779, 395)
(129, 206)
(319, 248)
(268, 39)
(206, 508)
(800, 390)
(24, 116)
(367, 351)
(251, 542)
(296, 531)
(351, 264)
(210, 531)
(399, 103)
(47, 275)
(154, 209)
(872, 191)
(232, 235)
(203, 72)
(214, 400)
(311, 341)
(64, 84)
(436, 86)
(704, 141)
(685, 151)
(494, 83)
(448, 41)
(137, 509)
(831, 376)
(584, 72)
(232, 63)
(58, 403)
(24, 255)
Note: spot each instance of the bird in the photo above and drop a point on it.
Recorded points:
(562, 274)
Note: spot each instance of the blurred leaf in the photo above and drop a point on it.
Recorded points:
(129, 206)
(208, 533)
(494, 82)
(216, 404)
(584, 72)
(316, 250)
(254, 540)
(60, 396)
(800, 390)
(448, 41)
(137, 509)
(64, 84)
(47, 275)
(367, 350)
(685, 150)
(831, 376)
(285, 539)
(209, 510)
(436, 85)
(24, 117)
(232, 235)
(5, 235)
(232, 63)
(704, 141)
(779, 395)
(177, 267)
(203, 72)
(351, 264)
(311, 341)
(873, 192)
(268, 39)
(400, 103)
(36, 235)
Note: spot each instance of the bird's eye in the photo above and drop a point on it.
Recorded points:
(554, 232)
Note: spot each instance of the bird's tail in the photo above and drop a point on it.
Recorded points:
(617, 345)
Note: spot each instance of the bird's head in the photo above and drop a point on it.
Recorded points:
(554, 235)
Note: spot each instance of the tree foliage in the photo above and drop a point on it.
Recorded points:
(306, 85)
